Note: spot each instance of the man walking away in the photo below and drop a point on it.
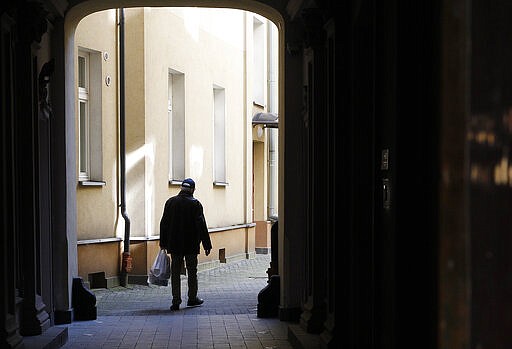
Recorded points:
(182, 230)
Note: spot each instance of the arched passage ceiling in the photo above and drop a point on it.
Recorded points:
(273, 10)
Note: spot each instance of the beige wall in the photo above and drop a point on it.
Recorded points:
(177, 39)
(97, 206)
(235, 242)
(136, 131)
(210, 47)
(93, 258)
(262, 234)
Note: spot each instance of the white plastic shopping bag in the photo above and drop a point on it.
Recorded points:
(160, 272)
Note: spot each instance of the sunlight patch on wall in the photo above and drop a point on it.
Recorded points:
(150, 186)
(196, 156)
(133, 157)
(192, 19)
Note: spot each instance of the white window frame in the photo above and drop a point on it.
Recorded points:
(259, 60)
(176, 123)
(83, 120)
(90, 169)
(219, 136)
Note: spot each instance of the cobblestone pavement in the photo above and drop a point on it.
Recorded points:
(139, 317)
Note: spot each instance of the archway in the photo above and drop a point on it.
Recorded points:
(73, 17)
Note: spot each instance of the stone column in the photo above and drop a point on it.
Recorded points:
(31, 26)
(291, 180)
(9, 327)
(318, 191)
(63, 180)
(333, 148)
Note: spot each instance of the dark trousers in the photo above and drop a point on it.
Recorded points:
(176, 268)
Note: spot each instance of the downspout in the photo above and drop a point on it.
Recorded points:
(126, 265)
(247, 217)
(272, 211)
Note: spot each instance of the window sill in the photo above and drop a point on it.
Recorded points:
(231, 227)
(220, 184)
(92, 183)
(175, 182)
(98, 241)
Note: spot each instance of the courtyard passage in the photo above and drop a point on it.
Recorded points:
(139, 317)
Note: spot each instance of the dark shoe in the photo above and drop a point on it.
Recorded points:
(194, 302)
(175, 307)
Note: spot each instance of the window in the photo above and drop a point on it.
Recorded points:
(83, 116)
(259, 62)
(89, 116)
(176, 113)
(219, 135)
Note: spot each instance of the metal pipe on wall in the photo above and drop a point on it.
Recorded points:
(126, 264)
(272, 132)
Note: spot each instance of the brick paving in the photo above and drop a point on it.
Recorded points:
(139, 317)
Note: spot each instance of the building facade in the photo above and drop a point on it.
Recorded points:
(194, 78)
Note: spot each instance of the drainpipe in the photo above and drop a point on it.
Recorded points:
(247, 218)
(126, 265)
(272, 108)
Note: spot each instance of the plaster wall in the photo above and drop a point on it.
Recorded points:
(97, 206)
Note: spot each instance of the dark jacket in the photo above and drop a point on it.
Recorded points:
(183, 226)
